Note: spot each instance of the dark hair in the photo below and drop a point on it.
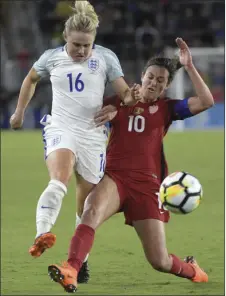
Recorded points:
(172, 65)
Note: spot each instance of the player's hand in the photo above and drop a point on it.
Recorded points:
(184, 53)
(135, 92)
(133, 97)
(16, 120)
(106, 114)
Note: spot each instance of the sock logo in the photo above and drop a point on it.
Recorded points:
(43, 207)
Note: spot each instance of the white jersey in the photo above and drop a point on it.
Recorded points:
(78, 88)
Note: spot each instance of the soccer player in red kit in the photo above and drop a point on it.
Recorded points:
(135, 169)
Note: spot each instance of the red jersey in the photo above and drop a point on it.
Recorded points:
(136, 141)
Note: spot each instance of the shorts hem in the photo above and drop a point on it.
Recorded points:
(91, 180)
(130, 223)
(57, 148)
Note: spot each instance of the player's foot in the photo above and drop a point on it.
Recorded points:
(42, 242)
(65, 275)
(200, 275)
(83, 275)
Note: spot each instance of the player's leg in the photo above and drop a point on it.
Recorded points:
(102, 203)
(60, 159)
(90, 170)
(148, 221)
(152, 235)
(83, 188)
(60, 166)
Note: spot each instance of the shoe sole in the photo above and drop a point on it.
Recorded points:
(46, 242)
(56, 276)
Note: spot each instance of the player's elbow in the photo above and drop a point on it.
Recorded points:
(206, 103)
(209, 102)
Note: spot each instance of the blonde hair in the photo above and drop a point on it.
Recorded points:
(84, 18)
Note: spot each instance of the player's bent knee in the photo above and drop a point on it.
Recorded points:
(91, 212)
(61, 176)
(62, 179)
(60, 165)
(92, 216)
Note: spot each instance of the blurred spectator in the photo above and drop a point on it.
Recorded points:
(23, 62)
(63, 9)
(5, 99)
(58, 15)
(57, 38)
(47, 19)
(133, 29)
(3, 13)
(147, 39)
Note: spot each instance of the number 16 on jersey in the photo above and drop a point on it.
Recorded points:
(78, 83)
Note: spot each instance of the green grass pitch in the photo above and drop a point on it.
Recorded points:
(117, 262)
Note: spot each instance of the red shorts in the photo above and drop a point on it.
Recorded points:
(138, 199)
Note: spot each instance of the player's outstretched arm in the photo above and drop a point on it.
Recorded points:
(126, 94)
(26, 93)
(204, 99)
(111, 105)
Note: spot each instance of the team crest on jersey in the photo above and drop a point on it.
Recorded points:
(153, 109)
(138, 110)
(93, 64)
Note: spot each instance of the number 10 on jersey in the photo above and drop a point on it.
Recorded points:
(136, 123)
(78, 83)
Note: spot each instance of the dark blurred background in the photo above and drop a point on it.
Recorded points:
(133, 29)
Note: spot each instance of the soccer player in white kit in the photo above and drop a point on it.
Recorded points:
(78, 72)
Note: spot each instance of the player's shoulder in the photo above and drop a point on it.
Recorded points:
(54, 51)
(104, 51)
(54, 56)
(166, 101)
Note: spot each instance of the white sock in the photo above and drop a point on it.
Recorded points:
(49, 206)
(87, 256)
(78, 221)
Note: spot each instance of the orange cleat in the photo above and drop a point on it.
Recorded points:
(200, 275)
(65, 275)
(42, 242)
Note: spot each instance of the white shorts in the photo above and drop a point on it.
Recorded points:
(90, 155)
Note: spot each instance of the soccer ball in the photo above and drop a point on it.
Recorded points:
(180, 193)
